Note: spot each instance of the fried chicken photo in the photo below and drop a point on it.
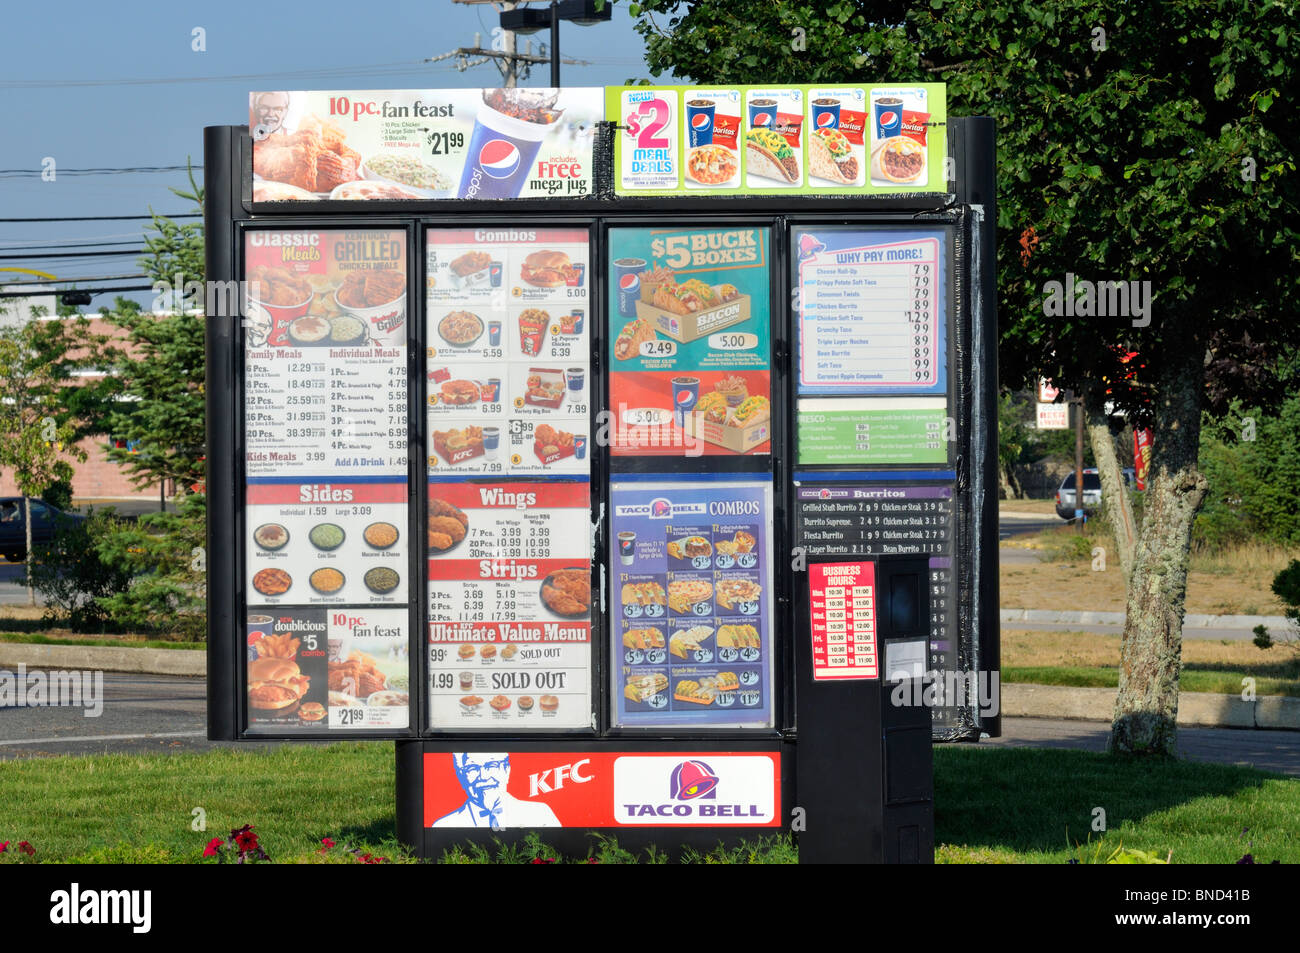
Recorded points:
(291, 159)
(568, 591)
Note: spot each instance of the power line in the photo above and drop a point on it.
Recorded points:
(103, 218)
(107, 170)
(66, 279)
(380, 69)
(56, 291)
(72, 254)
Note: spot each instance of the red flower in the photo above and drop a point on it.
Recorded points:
(246, 840)
(214, 847)
(543, 860)
(27, 848)
(327, 842)
(4, 846)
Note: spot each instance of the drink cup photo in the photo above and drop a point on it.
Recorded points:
(578, 318)
(699, 121)
(495, 271)
(508, 132)
(686, 393)
(580, 447)
(627, 279)
(888, 113)
(826, 113)
(626, 547)
(491, 441)
(492, 390)
(762, 113)
(576, 377)
(494, 333)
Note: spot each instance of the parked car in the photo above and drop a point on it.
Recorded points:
(1065, 502)
(13, 525)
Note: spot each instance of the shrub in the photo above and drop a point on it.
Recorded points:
(73, 577)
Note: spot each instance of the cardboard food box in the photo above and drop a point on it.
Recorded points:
(459, 454)
(549, 458)
(735, 439)
(550, 378)
(684, 328)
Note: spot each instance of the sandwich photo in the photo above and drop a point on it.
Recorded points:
(275, 684)
(547, 269)
(769, 155)
(830, 157)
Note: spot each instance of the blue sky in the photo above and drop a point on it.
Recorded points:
(116, 85)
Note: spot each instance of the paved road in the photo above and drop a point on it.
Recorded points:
(160, 713)
(142, 714)
(1268, 750)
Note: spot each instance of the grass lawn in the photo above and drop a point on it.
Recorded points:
(1092, 660)
(992, 805)
(1234, 582)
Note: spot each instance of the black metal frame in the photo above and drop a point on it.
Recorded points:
(229, 212)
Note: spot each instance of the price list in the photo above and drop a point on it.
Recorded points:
(842, 604)
(839, 519)
(337, 412)
(509, 604)
(870, 308)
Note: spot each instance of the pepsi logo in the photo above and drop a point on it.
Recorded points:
(700, 121)
(499, 158)
(628, 281)
(888, 118)
(685, 397)
(826, 120)
(762, 119)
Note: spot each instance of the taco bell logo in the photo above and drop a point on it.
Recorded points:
(692, 780)
(499, 158)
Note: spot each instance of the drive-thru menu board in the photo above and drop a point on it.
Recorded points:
(325, 516)
(691, 598)
(690, 346)
(842, 604)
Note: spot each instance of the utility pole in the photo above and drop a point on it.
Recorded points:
(514, 66)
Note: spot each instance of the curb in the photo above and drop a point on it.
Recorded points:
(1190, 621)
(1019, 700)
(1195, 709)
(188, 662)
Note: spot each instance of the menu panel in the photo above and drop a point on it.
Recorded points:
(420, 144)
(509, 605)
(690, 344)
(691, 565)
(779, 139)
(871, 311)
(326, 515)
(508, 350)
(844, 519)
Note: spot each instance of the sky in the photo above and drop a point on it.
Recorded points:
(96, 85)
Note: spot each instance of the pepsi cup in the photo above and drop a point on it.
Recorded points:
(627, 547)
(627, 279)
(580, 447)
(826, 113)
(494, 333)
(494, 275)
(762, 113)
(699, 121)
(686, 393)
(889, 117)
(500, 154)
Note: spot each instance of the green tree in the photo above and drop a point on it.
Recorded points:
(1137, 141)
(34, 445)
